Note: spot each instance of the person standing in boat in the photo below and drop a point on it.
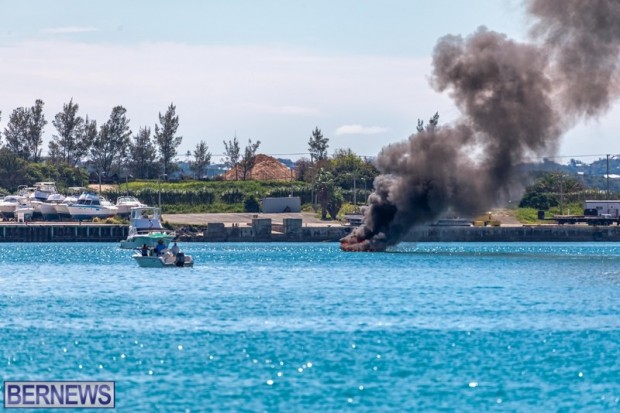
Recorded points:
(145, 250)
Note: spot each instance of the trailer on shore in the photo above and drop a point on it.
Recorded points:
(604, 219)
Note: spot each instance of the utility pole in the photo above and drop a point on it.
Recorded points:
(354, 191)
(561, 193)
(607, 191)
(159, 189)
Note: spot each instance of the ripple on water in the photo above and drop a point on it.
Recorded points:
(306, 327)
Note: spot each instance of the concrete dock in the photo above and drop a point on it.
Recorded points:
(260, 228)
(61, 232)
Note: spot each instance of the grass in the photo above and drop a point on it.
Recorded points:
(530, 215)
(216, 207)
(248, 187)
(527, 216)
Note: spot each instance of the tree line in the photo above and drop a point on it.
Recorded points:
(112, 148)
(108, 148)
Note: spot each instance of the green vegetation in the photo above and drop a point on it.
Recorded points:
(210, 196)
(528, 216)
(330, 185)
(346, 209)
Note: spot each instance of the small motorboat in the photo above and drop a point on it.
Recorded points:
(168, 259)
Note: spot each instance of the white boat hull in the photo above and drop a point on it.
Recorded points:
(84, 213)
(165, 261)
(48, 211)
(8, 210)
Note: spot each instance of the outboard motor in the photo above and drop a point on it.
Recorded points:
(180, 259)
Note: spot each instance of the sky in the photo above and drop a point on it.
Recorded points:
(263, 70)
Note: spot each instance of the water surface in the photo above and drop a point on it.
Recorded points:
(305, 327)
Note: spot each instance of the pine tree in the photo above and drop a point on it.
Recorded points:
(166, 140)
(317, 146)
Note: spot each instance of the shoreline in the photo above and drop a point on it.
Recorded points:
(293, 230)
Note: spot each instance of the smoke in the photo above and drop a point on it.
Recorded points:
(583, 38)
(516, 101)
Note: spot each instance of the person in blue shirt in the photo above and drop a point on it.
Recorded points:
(159, 248)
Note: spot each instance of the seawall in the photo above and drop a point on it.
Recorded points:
(539, 233)
(62, 232)
(262, 230)
(292, 230)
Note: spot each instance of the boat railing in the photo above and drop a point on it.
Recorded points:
(140, 231)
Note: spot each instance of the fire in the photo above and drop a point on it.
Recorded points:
(352, 243)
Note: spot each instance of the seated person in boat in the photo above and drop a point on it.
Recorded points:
(145, 250)
(159, 248)
(175, 249)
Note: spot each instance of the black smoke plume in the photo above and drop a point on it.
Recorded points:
(516, 101)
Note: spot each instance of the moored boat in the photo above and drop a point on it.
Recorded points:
(62, 208)
(126, 203)
(91, 205)
(145, 227)
(48, 208)
(43, 190)
(9, 204)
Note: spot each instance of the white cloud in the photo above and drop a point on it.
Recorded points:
(70, 30)
(360, 130)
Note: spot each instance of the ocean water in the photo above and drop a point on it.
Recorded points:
(305, 327)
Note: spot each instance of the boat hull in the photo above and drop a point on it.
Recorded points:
(8, 211)
(79, 213)
(49, 212)
(167, 261)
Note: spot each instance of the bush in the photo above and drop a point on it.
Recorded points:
(538, 201)
(348, 209)
(232, 196)
(251, 204)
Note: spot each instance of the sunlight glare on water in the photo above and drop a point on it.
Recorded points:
(304, 327)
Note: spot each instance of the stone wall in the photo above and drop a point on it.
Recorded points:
(541, 233)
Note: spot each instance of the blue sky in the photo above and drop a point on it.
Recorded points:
(268, 70)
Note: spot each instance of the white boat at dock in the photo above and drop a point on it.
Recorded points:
(48, 208)
(145, 227)
(9, 204)
(43, 190)
(126, 203)
(62, 208)
(91, 205)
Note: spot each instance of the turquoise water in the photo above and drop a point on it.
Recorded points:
(305, 327)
